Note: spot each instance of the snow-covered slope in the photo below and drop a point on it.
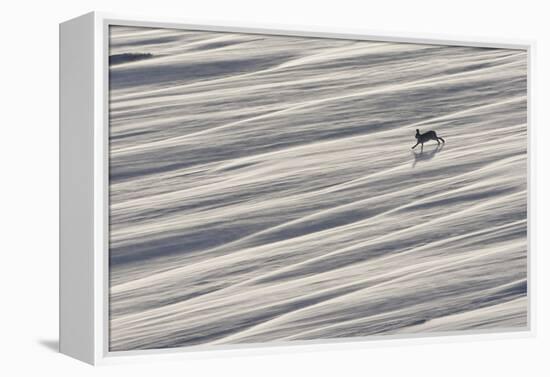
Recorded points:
(263, 188)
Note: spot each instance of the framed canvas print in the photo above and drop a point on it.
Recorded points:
(229, 187)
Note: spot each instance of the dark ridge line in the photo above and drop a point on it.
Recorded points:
(128, 57)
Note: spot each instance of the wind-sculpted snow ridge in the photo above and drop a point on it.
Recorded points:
(263, 189)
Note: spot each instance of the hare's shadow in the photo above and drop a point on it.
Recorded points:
(426, 156)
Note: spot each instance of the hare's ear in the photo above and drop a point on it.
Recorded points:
(417, 130)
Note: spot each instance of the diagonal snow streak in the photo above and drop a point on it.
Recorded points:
(262, 188)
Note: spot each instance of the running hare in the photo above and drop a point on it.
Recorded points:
(422, 138)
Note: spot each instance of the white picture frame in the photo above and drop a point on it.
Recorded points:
(84, 207)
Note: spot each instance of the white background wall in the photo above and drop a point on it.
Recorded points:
(29, 186)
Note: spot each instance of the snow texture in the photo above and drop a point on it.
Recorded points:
(263, 188)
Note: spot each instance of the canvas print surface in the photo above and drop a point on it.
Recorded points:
(264, 188)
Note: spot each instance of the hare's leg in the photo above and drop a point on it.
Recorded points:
(415, 145)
